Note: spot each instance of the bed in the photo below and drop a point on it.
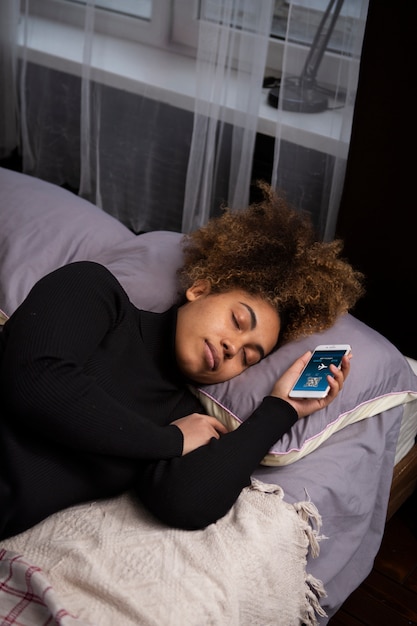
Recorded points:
(297, 542)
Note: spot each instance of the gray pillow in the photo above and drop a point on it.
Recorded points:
(42, 227)
(380, 378)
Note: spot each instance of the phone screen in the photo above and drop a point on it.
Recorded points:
(314, 377)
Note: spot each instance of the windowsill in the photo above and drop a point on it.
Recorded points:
(167, 77)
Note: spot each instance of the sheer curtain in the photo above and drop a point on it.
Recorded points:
(155, 165)
(231, 59)
(311, 149)
(84, 128)
(311, 170)
(9, 134)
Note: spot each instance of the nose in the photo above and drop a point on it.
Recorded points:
(229, 349)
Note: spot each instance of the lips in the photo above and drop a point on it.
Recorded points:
(211, 356)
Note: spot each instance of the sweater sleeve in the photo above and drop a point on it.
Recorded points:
(47, 340)
(197, 489)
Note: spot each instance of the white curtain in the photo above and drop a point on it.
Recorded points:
(9, 133)
(84, 129)
(310, 162)
(156, 166)
(231, 59)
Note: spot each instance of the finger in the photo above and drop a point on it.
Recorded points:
(335, 380)
(336, 374)
(303, 360)
(298, 365)
(346, 364)
(213, 421)
(334, 371)
(335, 385)
(214, 434)
(217, 425)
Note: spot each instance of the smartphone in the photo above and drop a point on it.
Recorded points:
(312, 382)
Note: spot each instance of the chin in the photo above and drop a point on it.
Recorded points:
(203, 380)
(213, 380)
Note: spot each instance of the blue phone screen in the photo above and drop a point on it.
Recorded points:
(314, 377)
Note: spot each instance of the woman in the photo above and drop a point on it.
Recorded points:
(96, 391)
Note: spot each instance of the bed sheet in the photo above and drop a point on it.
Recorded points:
(408, 431)
(348, 478)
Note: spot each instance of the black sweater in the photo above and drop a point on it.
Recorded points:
(89, 385)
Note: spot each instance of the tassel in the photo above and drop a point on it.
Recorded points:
(317, 587)
(314, 592)
(258, 485)
(310, 516)
(308, 512)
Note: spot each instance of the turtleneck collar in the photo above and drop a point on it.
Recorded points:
(158, 333)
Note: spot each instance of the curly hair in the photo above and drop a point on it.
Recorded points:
(270, 250)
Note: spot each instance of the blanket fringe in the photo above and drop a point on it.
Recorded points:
(310, 515)
(314, 593)
(312, 522)
(308, 512)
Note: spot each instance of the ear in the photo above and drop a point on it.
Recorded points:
(198, 289)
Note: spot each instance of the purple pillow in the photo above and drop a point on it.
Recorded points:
(42, 227)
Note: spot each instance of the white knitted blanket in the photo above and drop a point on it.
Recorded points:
(110, 563)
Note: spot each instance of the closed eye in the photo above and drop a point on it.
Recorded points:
(258, 349)
(253, 354)
(236, 324)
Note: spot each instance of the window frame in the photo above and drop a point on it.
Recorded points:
(174, 28)
(154, 32)
(334, 68)
(154, 71)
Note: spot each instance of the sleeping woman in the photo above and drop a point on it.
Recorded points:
(95, 392)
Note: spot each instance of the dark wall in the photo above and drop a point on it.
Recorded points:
(378, 216)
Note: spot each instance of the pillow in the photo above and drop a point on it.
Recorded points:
(42, 227)
(380, 376)
(146, 267)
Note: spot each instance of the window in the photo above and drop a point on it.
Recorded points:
(306, 17)
(144, 21)
(178, 19)
(134, 8)
(172, 25)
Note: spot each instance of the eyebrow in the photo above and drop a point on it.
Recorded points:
(253, 323)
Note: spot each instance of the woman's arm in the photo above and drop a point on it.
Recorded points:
(47, 340)
(198, 488)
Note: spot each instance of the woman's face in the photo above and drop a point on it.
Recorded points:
(218, 336)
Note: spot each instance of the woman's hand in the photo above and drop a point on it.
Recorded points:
(306, 406)
(198, 429)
